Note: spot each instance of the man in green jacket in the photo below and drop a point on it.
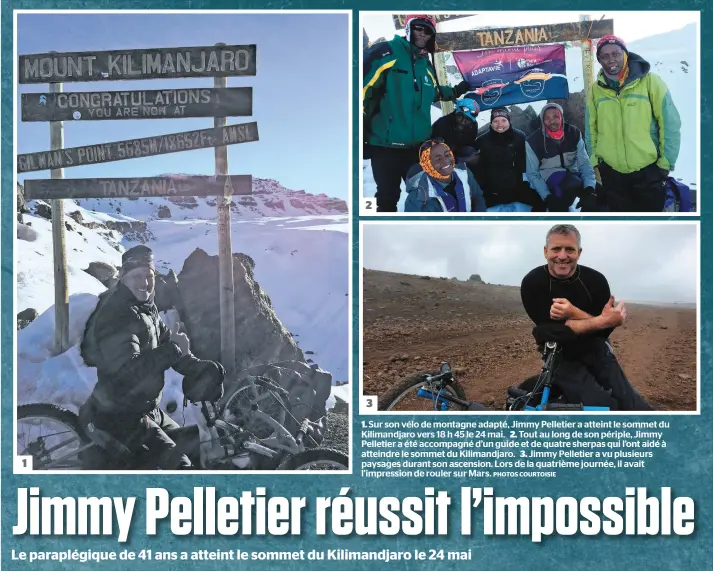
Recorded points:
(632, 130)
(399, 87)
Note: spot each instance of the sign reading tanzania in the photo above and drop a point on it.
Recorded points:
(160, 63)
(526, 35)
(149, 104)
(138, 187)
(136, 148)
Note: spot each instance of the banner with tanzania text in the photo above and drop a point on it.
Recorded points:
(522, 74)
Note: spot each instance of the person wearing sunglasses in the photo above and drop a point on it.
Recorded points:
(399, 87)
(438, 184)
(459, 130)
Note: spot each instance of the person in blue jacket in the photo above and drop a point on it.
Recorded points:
(438, 184)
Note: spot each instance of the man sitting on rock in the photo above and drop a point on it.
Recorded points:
(131, 347)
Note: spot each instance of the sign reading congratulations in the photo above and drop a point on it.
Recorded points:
(505, 76)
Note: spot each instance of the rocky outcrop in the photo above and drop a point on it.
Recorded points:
(183, 201)
(260, 336)
(135, 231)
(105, 273)
(43, 210)
(475, 278)
(167, 294)
(164, 212)
(21, 202)
(25, 317)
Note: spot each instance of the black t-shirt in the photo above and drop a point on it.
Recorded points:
(587, 290)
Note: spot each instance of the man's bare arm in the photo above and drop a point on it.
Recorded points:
(611, 317)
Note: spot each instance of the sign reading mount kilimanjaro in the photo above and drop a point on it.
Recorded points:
(158, 63)
(148, 104)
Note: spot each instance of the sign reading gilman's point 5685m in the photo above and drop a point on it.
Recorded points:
(137, 148)
(159, 63)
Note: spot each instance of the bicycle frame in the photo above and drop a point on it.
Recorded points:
(551, 349)
(441, 397)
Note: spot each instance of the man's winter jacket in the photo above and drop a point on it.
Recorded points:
(634, 126)
(130, 346)
(546, 156)
(398, 90)
(501, 166)
(423, 196)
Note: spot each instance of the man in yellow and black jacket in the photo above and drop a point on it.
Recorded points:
(632, 130)
(399, 88)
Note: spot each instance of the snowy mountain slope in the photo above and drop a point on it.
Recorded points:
(269, 198)
(672, 55)
(301, 262)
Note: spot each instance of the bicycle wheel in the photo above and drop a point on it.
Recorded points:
(403, 396)
(238, 408)
(316, 459)
(50, 434)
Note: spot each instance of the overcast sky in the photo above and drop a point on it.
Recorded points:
(629, 26)
(642, 261)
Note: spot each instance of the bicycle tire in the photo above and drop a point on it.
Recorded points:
(393, 395)
(56, 413)
(277, 408)
(313, 456)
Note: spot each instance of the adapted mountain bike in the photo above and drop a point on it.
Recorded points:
(441, 392)
(251, 428)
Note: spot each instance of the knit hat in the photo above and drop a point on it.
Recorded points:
(422, 20)
(137, 257)
(608, 40)
(499, 112)
(468, 107)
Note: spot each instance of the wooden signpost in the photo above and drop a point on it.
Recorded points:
(400, 19)
(219, 61)
(522, 36)
(149, 104)
(136, 148)
(161, 63)
(149, 187)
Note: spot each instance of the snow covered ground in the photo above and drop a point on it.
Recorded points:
(672, 55)
(301, 261)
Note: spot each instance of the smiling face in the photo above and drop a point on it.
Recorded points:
(140, 282)
(442, 159)
(500, 124)
(611, 58)
(552, 119)
(562, 253)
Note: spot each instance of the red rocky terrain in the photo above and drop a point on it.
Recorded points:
(413, 323)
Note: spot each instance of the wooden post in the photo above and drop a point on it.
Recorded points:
(225, 253)
(61, 296)
(587, 59)
(440, 62)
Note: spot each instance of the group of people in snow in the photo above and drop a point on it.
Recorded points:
(620, 164)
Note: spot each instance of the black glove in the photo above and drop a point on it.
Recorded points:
(204, 382)
(588, 200)
(462, 88)
(556, 203)
(664, 173)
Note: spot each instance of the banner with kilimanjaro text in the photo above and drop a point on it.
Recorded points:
(522, 74)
